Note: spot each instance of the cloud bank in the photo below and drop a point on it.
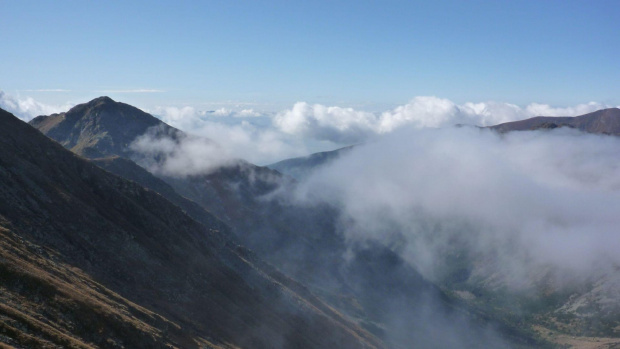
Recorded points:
(265, 138)
(245, 134)
(347, 126)
(177, 155)
(512, 206)
(28, 108)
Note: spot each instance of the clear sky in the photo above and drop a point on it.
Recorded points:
(271, 54)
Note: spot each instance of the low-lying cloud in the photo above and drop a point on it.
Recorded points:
(264, 138)
(178, 156)
(245, 134)
(518, 204)
(27, 108)
(348, 126)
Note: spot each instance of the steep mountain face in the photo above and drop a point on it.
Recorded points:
(89, 259)
(605, 121)
(301, 167)
(130, 170)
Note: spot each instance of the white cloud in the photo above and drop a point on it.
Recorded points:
(244, 113)
(347, 125)
(535, 109)
(222, 112)
(265, 138)
(419, 112)
(245, 134)
(336, 124)
(520, 203)
(184, 116)
(171, 155)
(27, 108)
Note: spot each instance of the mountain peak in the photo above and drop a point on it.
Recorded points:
(102, 99)
(97, 103)
(98, 128)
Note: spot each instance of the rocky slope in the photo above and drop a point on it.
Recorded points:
(89, 259)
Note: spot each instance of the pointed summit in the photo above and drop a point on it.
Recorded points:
(99, 128)
(101, 100)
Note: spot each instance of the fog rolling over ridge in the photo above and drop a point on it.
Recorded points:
(515, 204)
(520, 224)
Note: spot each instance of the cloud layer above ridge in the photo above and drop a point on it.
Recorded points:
(266, 137)
(28, 108)
(347, 125)
(305, 128)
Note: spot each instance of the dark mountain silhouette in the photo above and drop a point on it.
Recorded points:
(130, 170)
(88, 259)
(604, 121)
(301, 167)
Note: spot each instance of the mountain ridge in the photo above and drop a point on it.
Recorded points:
(603, 121)
(190, 285)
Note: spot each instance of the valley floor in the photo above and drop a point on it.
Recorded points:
(569, 341)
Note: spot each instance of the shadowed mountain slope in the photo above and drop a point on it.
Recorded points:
(604, 121)
(92, 260)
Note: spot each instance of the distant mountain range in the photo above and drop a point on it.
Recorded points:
(604, 121)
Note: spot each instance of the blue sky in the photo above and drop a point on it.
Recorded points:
(370, 55)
